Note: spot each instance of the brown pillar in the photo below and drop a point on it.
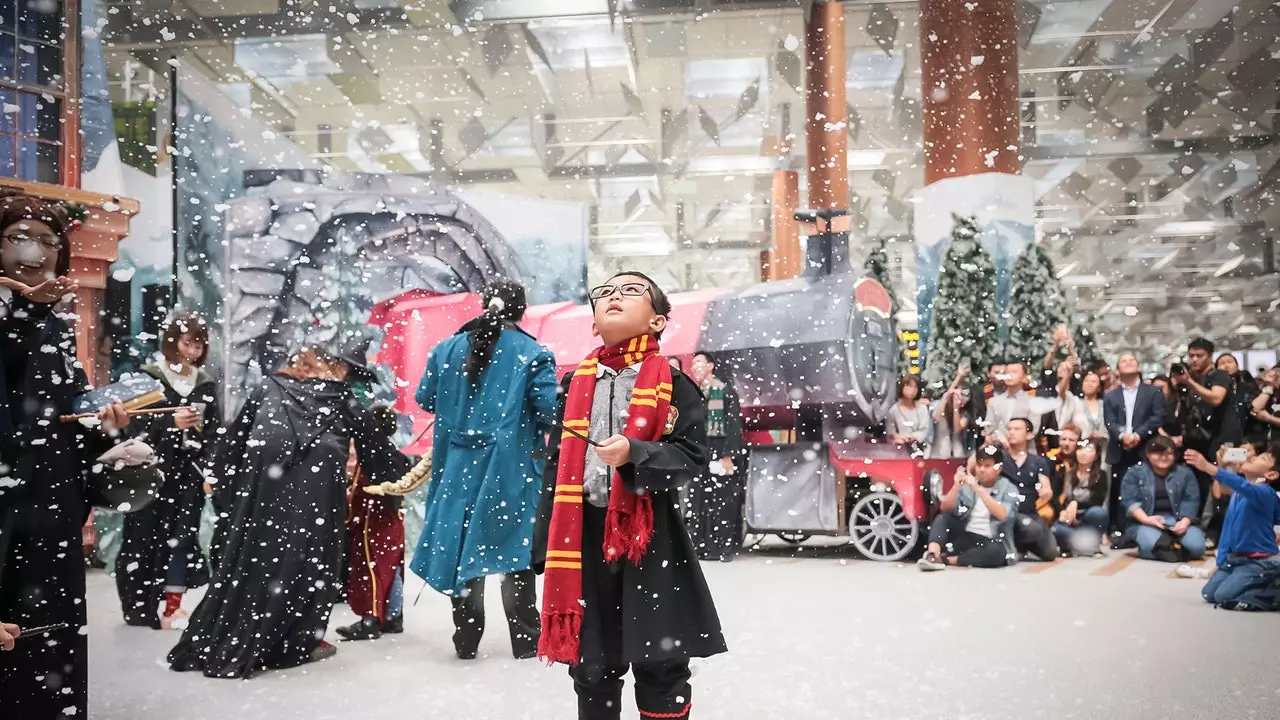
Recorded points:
(969, 65)
(826, 110)
(786, 258)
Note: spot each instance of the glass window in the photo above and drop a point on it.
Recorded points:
(31, 89)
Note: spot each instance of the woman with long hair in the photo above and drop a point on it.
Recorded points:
(1083, 501)
(1090, 415)
(492, 388)
(159, 555)
(951, 419)
(908, 422)
(44, 465)
(1244, 388)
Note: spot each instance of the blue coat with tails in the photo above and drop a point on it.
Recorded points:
(485, 481)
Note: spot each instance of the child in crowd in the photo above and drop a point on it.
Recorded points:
(1248, 556)
(623, 587)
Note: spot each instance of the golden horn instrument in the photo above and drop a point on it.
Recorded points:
(409, 482)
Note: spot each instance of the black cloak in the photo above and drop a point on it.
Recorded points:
(172, 520)
(44, 464)
(662, 609)
(281, 497)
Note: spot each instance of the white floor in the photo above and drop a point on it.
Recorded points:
(810, 638)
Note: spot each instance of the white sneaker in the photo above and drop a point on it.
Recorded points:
(931, 563)
(1192, 573)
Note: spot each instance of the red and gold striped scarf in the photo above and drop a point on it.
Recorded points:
(629, 518)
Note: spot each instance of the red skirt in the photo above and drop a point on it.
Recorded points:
(375, 552)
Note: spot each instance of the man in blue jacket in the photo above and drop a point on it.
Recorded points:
(1161, 500)
(1248, 557)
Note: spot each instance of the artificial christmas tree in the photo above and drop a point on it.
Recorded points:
(877, 267)
(1036, 306)
(1086, 342)
(964, 324)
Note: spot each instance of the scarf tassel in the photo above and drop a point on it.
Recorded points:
(628, 530)
(561, 633)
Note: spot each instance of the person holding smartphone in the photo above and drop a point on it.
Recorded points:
(1211, 419)
(159, 556)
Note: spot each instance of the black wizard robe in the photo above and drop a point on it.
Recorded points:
(44, 464)
(661, 609)
(716, 501)
(172, 521)
(281, 497)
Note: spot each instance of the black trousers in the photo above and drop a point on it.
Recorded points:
(1031, 534)
(969, 549)
(1120, 518)
(519, 599)
(662, 690)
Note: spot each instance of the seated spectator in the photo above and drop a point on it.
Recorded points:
(908, 422)
(1248, 558)
(1082, 520)
(975, 528)
(1029, 473)
(1161, 500)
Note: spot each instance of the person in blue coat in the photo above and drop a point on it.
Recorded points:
(492, 388)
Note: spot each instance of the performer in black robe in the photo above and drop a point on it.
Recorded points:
(282, 498)
(159, 552)
(44, 464)
(717, 500)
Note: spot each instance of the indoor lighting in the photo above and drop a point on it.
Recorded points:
(865, 158)
(1187, 227)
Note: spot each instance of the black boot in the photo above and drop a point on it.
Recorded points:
(393, 626)
(364, 629)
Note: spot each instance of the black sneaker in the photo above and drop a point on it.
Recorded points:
(393, 626)
(931, 562)
(366, 628)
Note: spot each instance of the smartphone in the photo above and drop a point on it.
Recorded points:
(199, 409)
(1235, 455)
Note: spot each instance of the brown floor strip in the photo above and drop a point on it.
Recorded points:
(1041, 566)
(1115, 566)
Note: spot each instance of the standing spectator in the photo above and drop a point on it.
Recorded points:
(1211, 418)
(492, 388)
(975, 528)
(1134, 412)
(717, 501)
(980, 395)
(1162, 500)
(1029, 473)
(908, 422)
(1248, 558)
(1092, 415)
(950, 420)
(1062, 340)
(1243, 390)
(1266, 406)
(1105, 376)
(1083, 504)
(1015, 402)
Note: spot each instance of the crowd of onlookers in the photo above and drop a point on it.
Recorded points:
(1067, 459)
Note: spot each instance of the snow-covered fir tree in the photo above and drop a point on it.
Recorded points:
(1036, 306)
(1086, 341)
(964, 323)
(877, 267)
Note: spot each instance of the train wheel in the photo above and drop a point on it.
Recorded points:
(880, 528)
(793, 538)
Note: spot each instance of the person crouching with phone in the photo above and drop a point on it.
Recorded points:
(1161, 500)
(159, 554)
(1248, 556)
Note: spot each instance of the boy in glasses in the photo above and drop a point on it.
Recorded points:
(623, 587)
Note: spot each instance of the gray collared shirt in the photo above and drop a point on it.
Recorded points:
(609, 408)
(1130, 403)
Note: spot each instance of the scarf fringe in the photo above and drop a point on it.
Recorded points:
(560, 640)
(627, 532)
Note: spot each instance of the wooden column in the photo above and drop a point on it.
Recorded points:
(94, 246)
(785, 260)
(969, 69)
(826, 109)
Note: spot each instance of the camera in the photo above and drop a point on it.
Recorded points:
(1177, 369)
